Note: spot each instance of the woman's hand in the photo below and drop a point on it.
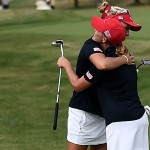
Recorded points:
(63, 62)
(130, 59)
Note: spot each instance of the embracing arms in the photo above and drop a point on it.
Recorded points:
(80, 84)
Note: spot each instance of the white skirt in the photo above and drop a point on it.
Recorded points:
(128, 135)
(85, 128)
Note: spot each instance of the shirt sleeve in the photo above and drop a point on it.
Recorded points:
(93, 75)
(91, 49)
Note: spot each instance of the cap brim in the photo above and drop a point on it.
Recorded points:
(133, 26)
(97, 23)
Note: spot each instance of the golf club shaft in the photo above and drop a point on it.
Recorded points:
(139, 65)
(58, 43)
(62, 52)
(144, 62)
(55, 116)
(57, 102)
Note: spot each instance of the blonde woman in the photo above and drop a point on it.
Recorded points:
(86, 125)
(126, 119)
(121, 14)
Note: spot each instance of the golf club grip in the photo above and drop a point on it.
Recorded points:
(55, 116)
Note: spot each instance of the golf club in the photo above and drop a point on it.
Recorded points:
(57, 43)
(144, 62)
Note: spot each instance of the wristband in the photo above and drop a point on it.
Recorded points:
(126, 58)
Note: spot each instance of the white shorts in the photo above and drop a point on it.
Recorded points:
(128, 135)
(85, 128)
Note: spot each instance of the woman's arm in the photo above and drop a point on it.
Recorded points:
(108, 63)
(101, 62)
(79, 84)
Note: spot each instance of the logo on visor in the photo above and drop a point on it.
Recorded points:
(107, 34)
(120, 17)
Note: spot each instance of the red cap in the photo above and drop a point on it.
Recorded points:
(126, 18)
(111, 28)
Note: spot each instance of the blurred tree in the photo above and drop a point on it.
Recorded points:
(137, 1)
(76, 3)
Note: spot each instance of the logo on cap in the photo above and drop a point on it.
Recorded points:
(107, 34)
(120, 17)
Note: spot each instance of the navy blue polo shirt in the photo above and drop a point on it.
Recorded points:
(117, 91)
(86, 100)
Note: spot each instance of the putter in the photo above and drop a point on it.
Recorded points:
(144, 62)
(57, 43)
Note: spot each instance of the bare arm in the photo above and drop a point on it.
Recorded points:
(108, 63)
(78, 84)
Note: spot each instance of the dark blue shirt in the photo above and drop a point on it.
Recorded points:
(117, 92)
(86, 100)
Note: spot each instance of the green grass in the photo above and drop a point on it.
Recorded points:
(29, 74)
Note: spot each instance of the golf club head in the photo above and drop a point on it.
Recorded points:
(57, 43)
(146, 62)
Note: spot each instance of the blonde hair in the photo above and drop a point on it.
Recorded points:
(114, 10)
(121, 49)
